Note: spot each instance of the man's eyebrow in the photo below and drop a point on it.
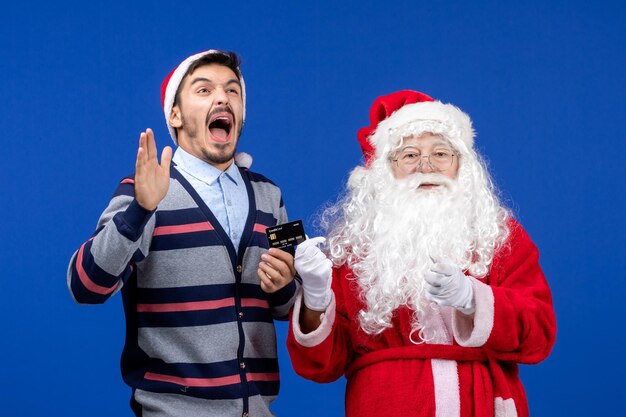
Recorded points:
(200, 79)
(204, 79)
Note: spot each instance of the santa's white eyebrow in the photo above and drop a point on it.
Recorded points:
(442, 143)
(436, 143)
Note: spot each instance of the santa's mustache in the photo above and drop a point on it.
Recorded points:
(415, 180)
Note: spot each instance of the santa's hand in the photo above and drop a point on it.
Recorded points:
(316, 271)
(447, 285)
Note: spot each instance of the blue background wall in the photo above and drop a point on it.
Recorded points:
(544, 82)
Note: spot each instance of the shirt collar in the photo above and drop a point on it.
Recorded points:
(203, 171)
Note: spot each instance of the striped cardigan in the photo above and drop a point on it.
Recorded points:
(200, 338)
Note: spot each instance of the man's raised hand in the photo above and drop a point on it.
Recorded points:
(152, 180)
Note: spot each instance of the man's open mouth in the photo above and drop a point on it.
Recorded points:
(220, 126)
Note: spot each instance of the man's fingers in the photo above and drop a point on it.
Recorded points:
(141, 154)
(265, 274)
(267, 284)
(166, 158)
(142, 139)
(281, 255)
(151, 144)
(266, 267)
(148, 151)
(276, 264)
(282, 261)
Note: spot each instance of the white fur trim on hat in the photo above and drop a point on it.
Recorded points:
(176, 78)
(429, 116)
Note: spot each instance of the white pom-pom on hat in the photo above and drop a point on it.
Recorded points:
(243, 160)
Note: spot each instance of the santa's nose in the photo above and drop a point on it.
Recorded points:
(424, 165)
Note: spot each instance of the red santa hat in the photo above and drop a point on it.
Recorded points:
(172, 81)
(411, 113)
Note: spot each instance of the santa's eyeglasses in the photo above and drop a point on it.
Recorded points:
(439, 160)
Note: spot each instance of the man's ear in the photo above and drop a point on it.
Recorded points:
(176, 120)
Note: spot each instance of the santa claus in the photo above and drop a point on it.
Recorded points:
(429, 293)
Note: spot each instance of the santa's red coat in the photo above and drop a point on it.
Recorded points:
(472, 370)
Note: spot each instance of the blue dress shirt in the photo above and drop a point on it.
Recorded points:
(224, 192)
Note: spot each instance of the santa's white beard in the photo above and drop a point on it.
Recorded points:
(389, 232)
(410, 228)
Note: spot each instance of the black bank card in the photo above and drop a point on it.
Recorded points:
(285, 235)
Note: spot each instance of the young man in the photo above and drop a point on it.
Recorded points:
(186, 245)
(437, 293)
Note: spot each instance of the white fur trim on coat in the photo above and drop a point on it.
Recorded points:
(474, 330)
(318, 335)
(504, 408)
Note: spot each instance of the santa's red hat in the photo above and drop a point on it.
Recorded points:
(381, 109)
(411, 113)
(172, 81)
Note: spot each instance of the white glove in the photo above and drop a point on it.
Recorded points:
(316, 271)
(447, 285)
